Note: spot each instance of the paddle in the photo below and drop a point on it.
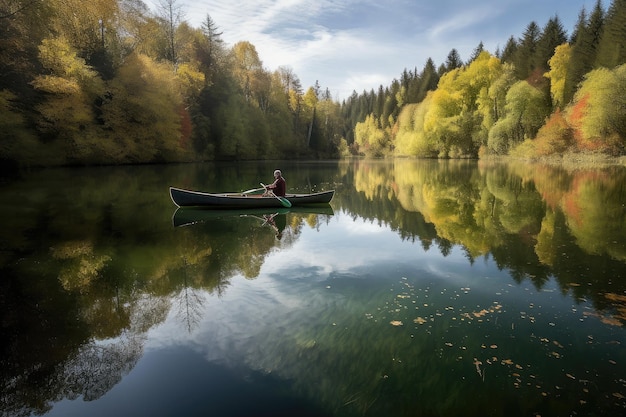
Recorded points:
(253, 191)
(283, 200)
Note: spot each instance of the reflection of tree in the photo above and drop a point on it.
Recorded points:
(536, 221)
(99, 367)
(189, 302)
(87, 272)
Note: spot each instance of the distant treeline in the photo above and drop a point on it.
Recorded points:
(110, 82)
(544, 93)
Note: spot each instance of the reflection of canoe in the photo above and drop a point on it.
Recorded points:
(187, 198)
(184, 216)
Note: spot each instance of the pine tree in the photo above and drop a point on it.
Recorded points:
(509, 51)
(476, 52)
(525, 59)
(584, 49)
(552, 36)
(429, 80)
(453, 60)
(612, 48)
(213, 50)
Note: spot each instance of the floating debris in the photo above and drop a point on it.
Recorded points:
(395, 323)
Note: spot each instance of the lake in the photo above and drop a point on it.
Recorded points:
(427, 288)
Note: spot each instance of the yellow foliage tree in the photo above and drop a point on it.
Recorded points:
(597, 112)
(371, 138)
(411, 140)
(69, 88)
(142, 113)
(558, 73)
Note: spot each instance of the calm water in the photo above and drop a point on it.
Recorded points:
(426, 289)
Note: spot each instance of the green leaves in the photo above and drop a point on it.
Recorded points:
(603, 119)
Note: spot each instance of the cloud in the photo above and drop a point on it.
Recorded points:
(357, 45)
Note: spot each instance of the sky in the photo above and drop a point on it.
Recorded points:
(358, 45)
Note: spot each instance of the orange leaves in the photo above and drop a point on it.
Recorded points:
(555, 136)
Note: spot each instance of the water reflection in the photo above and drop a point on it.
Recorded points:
(428, 287)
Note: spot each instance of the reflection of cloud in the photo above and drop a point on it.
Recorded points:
(348, 244)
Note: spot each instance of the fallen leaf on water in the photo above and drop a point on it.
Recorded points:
(419, 320)
(395, 323)
(618, 395)
(570, 376)
(507, 362)
(493, 346)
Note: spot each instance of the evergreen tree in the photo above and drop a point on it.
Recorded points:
(428, 80)
(212, 50)
(584, 49)
(612, 48)
(525, 59)
(453, 60)
(552, 36)
(380, 101)
(476, 52)
(509, 51)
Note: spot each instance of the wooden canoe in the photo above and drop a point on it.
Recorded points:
(188, 198)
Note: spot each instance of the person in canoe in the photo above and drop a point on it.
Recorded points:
(279, 186)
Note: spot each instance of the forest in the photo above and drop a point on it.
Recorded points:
(112, 82)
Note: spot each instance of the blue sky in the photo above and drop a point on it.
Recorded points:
(356, 45)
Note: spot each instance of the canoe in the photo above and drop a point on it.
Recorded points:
(188, 198)
(184, 216)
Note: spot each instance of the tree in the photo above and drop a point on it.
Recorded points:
(212, 51)
(428, 80)
(600, 122)
(525, 59)
(526, 110)
(612, 48)
(476, 52)
(498, 89)
(142, 119)
(372, 139)
(559, 63)
(246, 65)
(510, 49)
(584, 49)
(69, 91)
(551, 37)
(172, 16)
(453, 60)
(310, 100)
